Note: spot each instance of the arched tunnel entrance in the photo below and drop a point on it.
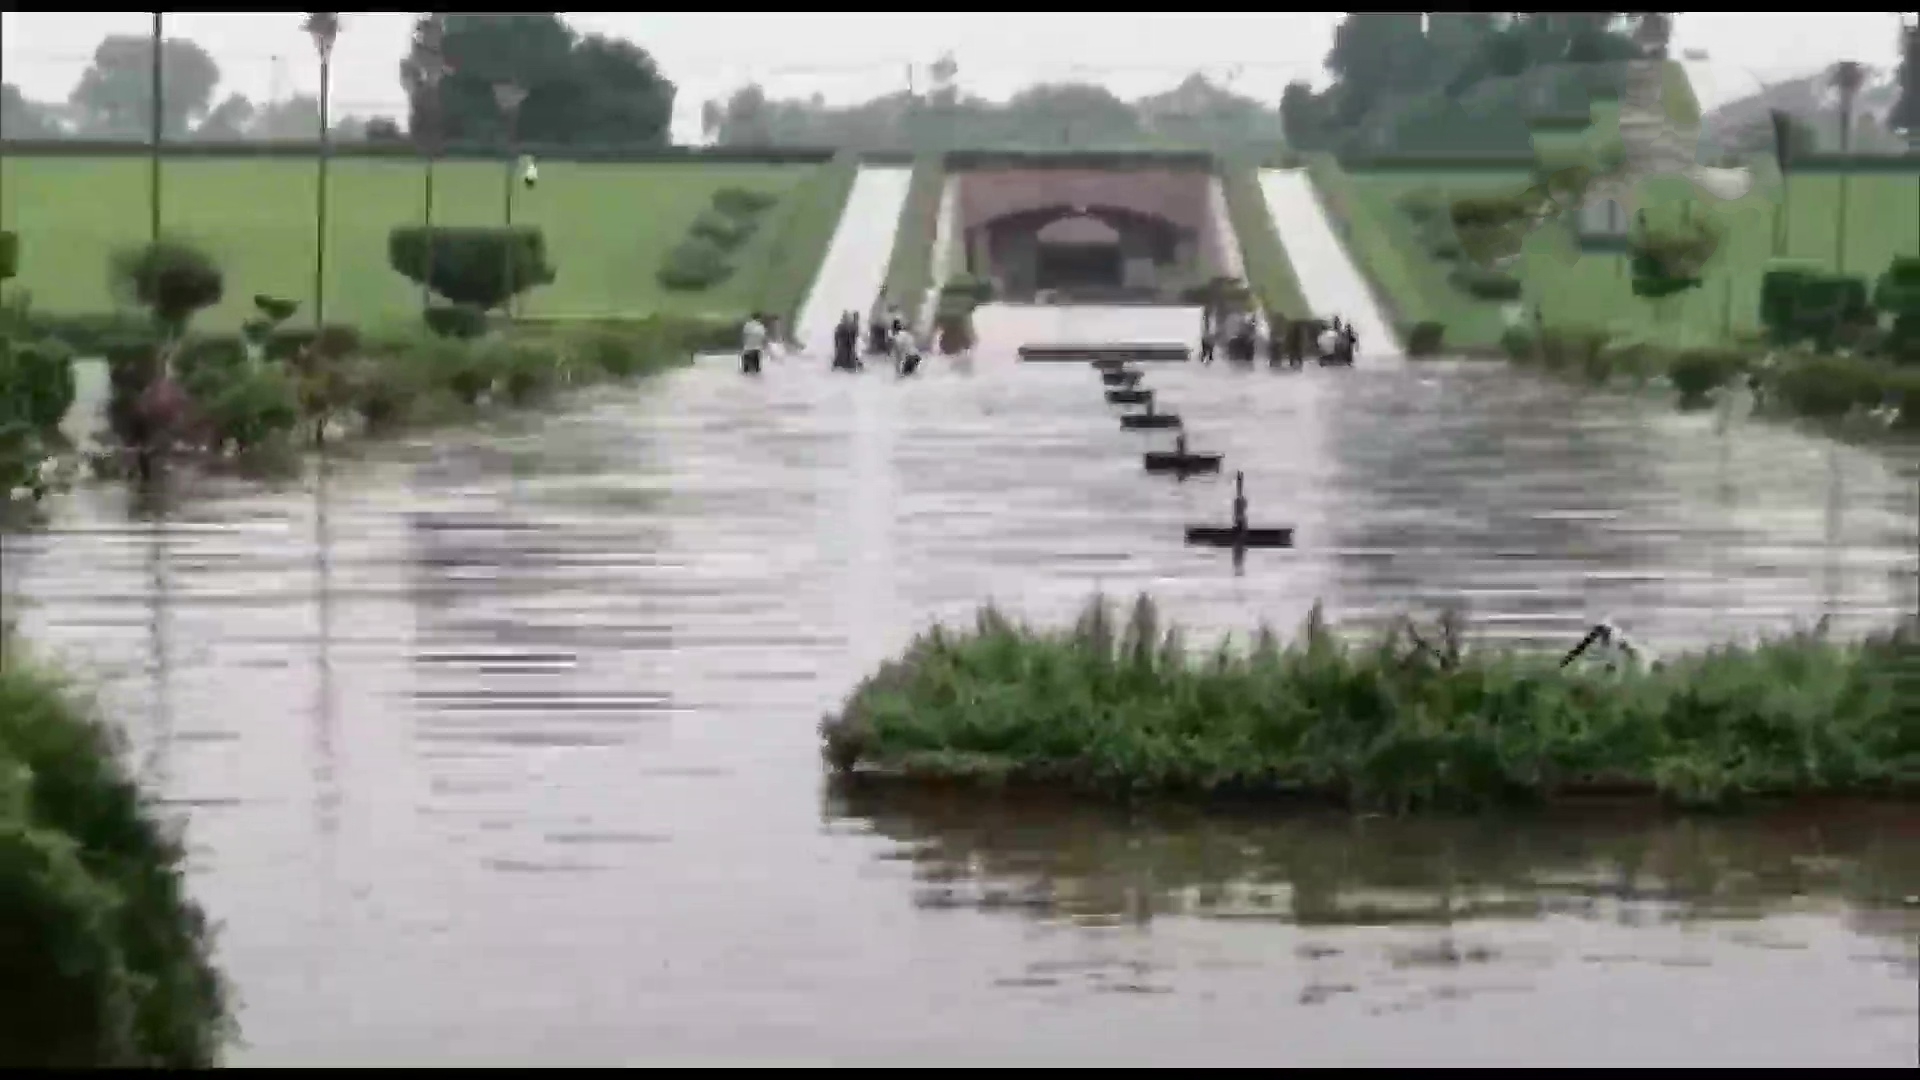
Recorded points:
(1079, 252)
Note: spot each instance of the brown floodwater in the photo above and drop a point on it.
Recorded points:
(498, 747)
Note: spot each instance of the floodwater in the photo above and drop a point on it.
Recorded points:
(500, 748)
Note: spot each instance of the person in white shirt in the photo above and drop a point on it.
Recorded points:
(906, 352)
(753, 344)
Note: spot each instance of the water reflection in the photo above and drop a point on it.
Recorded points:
(1059, 859)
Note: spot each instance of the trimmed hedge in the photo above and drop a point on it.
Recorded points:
(485, 266)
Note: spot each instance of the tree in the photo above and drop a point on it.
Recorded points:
(22, 118)
(295, 119)
(230, 120)
(384, 129)
(1906, 112)
(114, 97)
(595, 90)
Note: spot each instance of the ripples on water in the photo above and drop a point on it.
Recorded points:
(500, 748)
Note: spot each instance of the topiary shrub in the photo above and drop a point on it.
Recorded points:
(738, 202)
(722, 231)
(485, 267)
(1425, 338)
(692, 265)
(9, 254)
(171, 279)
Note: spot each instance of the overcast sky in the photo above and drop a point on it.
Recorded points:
(848, 57)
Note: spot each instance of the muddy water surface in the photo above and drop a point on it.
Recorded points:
(499, 748)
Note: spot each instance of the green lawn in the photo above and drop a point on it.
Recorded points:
(1883, 220)
(910, 267)
(607, 226)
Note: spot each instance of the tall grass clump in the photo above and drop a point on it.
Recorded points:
(104, 959)
(1411, 719)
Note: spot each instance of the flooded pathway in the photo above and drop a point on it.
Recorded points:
(499, 748)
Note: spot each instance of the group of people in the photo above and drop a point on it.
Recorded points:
(888, 335)
(1239, 334)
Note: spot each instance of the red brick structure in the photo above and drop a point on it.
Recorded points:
(1160, 220)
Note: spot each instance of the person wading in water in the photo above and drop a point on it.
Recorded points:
(846, 343)
(753, 344)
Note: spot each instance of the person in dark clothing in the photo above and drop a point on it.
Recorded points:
(1206, 335)
(846, 343)
(1278, 330)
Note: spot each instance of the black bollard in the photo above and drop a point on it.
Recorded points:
(1239, 536)
(1128, 379)
(1150, 420)
(1129, 397)
(1181, 462)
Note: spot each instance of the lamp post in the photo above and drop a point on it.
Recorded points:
(432, 67)
(509, 96)
(155, 112)
(324, 28)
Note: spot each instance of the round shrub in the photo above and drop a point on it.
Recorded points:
(723, 232)
(1697, 373)
(1425, 338)
(170, 278)
(527, 371)
(692, 265)
(1829, 387)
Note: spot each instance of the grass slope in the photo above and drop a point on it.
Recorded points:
(910, 267)
(607, 226)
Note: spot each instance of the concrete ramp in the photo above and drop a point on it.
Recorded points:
(1329, 281)
(855, 266)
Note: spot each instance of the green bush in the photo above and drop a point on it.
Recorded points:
(172, 279)
(692, 265)
(205, 365)
(483, 266)
(1697, 373)
(1519, 343)
(9, 254)
(107, 961)
(251, 408)
(528, 371)
(460, 321)
(1829, 387)
(737, 202)
(88, 334)
(723, 232)
(1425, 338)
(37, 378)
(1415, 719)
(1485, 284)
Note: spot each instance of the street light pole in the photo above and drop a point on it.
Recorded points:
(156, 108)
(432, 66)
(324, 28)
(509, 96)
